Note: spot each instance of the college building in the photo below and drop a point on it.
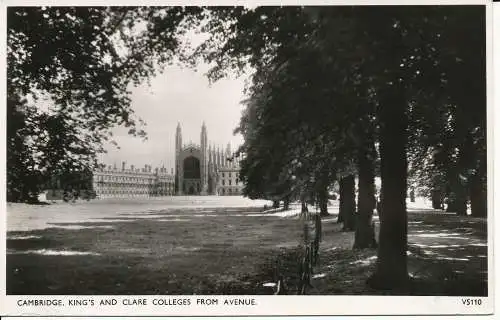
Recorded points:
(110, 182)
(200, 169)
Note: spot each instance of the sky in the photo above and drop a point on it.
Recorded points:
(184, 96)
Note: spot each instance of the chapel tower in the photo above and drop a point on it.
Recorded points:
(204, 159)
(178, 164)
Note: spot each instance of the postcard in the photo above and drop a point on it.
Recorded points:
(247, 159)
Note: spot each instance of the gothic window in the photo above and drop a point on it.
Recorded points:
(192, 168)
(230, 182)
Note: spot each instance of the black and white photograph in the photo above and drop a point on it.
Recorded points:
(246, 151)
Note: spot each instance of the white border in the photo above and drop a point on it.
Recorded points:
(265, 305)
(248, 3)
(3, 155)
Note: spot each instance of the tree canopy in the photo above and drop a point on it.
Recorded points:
(68, 79)
(334, 85)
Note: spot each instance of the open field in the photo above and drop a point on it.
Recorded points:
(210, 245)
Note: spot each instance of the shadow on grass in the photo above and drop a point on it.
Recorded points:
(204, 255)
(128, 274)
(34, 243)
(447, 256)
(227, 254)
(344, 272)
(79, 275)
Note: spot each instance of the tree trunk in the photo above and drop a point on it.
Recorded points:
(286, 203)
(276, 204)
(303, 204)
(478, 192)
(457, 198)
(437, 199)
(365, 233)
(340, 218)
(323, 206)
(478, 198)
(347, 205)
(412, 195)
(391, 269)
(323, 199)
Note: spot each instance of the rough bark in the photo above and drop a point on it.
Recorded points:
(340, 218)
(391, 268)
(365, 233)
(347, 205)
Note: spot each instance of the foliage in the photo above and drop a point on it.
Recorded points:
(448, 138)
(76, 65)
(347, 78)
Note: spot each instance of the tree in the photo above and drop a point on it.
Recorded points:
(81, 60)
(449, 135)
(347, 205)
(390, 57)
(466, 70)
(422, 40)
(366, 157)
(23, 180)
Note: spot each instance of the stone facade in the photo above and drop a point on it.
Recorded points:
(199, 170)
(229, 182)
(111, 182)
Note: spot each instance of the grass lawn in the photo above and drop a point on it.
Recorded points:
(229, 250)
